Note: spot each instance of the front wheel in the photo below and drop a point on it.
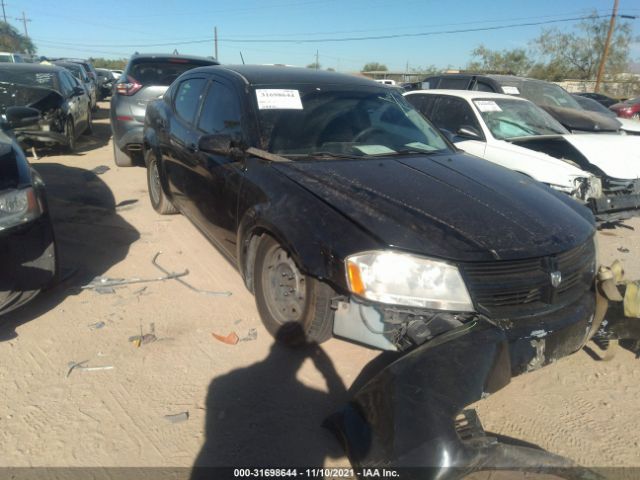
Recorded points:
(159, 200)
(295, 308)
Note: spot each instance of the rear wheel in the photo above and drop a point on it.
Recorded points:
(295, 308)
(89, 129)
(159, 201)
(70, 135)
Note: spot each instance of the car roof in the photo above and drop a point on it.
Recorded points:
(267, 75)
(31, 67)
(136, 56)
(466, 94)
(499, 78)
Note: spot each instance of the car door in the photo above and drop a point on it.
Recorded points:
(179, 152)
(77, 108)
(218, 176)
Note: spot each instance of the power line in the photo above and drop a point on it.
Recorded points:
(346, 39)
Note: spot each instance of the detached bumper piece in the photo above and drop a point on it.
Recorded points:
(629, 204)
(409, 415)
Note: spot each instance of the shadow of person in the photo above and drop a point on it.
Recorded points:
(263, 416)
(90, 237)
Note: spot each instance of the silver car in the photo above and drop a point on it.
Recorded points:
(145, 78)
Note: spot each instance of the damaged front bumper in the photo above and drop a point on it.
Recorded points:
(411, 415)
(534, 341)
(621, 205)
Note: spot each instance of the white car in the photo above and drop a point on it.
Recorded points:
(600, 170)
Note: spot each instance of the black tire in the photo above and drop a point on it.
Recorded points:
(89, 129)
(70, 134)
(306, 317)
(159, 200)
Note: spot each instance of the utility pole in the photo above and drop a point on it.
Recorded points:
(24, 22)
(317, 61)
(215, 40)
(4, 14)
(607, 42)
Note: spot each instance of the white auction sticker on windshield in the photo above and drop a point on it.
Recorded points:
(510, 90)
(278, 99)
(487, 106)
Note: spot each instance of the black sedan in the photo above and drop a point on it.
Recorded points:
(27, 248)
(346, 212)
(56, 93)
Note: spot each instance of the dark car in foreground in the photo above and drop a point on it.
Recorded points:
(27, 248)
(548, 96)
(346, 212)
(56, 93)
(146, 77)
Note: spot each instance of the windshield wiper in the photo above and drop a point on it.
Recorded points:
(328, 155)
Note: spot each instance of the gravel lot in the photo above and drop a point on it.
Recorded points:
(253, 403)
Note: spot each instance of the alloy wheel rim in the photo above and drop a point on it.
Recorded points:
(284, 285)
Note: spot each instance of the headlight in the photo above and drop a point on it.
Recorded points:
(404, 279)
(18, 206)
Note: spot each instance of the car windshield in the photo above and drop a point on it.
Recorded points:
(632, 101)
(548, 94)
(510, 118)
(307, 120)
(593, 105)
(6, 59)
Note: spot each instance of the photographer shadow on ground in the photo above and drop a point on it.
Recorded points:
(264, 416)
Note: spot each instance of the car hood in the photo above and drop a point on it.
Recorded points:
(539, 165)
(583, 120)
(17, 95)
(616, 155)
(452, 206)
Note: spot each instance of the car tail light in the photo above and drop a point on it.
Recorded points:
(128, 87)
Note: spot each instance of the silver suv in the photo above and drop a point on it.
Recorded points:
(146, 77)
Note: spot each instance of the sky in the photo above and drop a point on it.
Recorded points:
(293, 32)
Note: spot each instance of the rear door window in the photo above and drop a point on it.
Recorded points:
(221, 111)
(423, 103)
(187, 98)
(162, 73)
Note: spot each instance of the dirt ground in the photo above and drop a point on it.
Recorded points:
(254, 403)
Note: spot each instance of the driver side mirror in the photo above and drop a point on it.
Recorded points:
(469, 132)
(21, 117)
(219, 144)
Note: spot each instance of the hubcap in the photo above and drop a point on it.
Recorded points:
(284, 286)
(154, 184)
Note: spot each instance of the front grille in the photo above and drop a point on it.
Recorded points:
(509, 289)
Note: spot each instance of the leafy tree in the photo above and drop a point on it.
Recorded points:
(577, 54)
(513, 61)
(374, 67)
(315, 66)
(12, 41)
(116, 64)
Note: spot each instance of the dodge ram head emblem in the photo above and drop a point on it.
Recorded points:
(556, 278)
